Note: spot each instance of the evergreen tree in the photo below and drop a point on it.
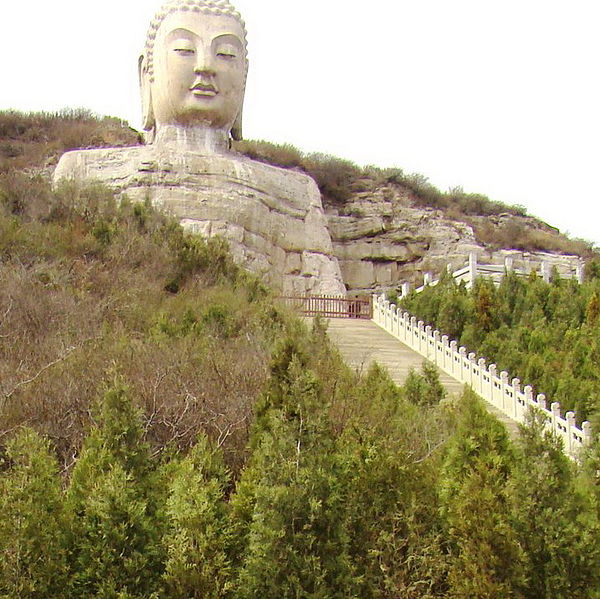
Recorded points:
(485, 556)
(555, 520)
(288, 507)
(32, 539)
(198, 536)
(115, 528)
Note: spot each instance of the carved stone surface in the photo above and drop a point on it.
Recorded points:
(272, 218)
(192, 75)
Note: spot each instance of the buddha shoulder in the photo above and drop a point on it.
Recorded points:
(100, 163)
(122, 167)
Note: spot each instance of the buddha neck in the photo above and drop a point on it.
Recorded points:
(199, 139)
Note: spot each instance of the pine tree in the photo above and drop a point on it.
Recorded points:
(288, 508)
(485, 556)
(32, 524)
(198, 537)
(555, 519)
(115, 528)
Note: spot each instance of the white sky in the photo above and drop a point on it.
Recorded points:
(501, 97)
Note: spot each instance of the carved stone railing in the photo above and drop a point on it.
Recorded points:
(497, 388)
(496, 272)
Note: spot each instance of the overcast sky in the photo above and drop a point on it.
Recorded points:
(499, 97)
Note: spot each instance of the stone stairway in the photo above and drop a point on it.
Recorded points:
(362, 342)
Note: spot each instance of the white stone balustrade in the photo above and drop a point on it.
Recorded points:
(498, 389)
(496, 272)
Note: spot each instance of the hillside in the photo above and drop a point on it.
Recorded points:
(169, 430)
(387, 227)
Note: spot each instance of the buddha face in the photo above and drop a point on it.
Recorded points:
(199, 70)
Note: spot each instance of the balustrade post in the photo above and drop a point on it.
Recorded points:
(405, 289)
(405, 320)
(463, 358)
(541, 401)
(427, 344)
(555, 415)
(471, 357)
(472, 268)
(579, 273)
(420, 327)
(586, 427)
(413, 332)
(393, 309)
(545, 268)
(508, 264)
(493, 369)
(528, 391)
(453, 352)
(516, 385)
(570, 418)
(445, 348)
(481, 366)
(503, 386)
(427, 278)
(436, 347)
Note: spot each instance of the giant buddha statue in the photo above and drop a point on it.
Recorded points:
(192, 77)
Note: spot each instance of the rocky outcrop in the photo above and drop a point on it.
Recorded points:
(382, 237)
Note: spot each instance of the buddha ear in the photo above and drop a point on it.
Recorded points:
(148, 122)
(236, 130)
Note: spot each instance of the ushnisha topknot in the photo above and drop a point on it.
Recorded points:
(208, 7)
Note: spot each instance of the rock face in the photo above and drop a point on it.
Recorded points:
(272, 218)
(382, 238)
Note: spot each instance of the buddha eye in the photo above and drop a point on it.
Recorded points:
(183, 47)
(226, 51)
(184, 51)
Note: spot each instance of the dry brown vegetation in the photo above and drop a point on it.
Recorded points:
(34, 142)
(38, 139)
(88, 288)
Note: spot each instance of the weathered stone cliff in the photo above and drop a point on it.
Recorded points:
(383, 237)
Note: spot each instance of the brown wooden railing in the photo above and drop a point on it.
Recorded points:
(330, 306)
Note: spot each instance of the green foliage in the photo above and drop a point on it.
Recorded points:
(115, 528)
(424, 388)
(32, 521)
(544, 333)
(198, 535)
(485, 555)
(291, 505)
(554, 518)
(242, 458)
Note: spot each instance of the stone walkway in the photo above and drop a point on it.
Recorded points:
(362, 342)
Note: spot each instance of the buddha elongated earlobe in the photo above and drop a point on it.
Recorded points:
(148, 121)
(236, 130)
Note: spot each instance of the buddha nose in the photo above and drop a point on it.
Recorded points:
(204, 62)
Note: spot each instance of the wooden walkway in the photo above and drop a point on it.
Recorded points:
(362, 342)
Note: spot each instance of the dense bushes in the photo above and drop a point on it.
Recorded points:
(339, 497)
(87, 286)
(166, 430)
(544, 333)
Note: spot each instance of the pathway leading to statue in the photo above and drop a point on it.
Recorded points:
(362, 342)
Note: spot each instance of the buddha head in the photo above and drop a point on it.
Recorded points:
(194, 66)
